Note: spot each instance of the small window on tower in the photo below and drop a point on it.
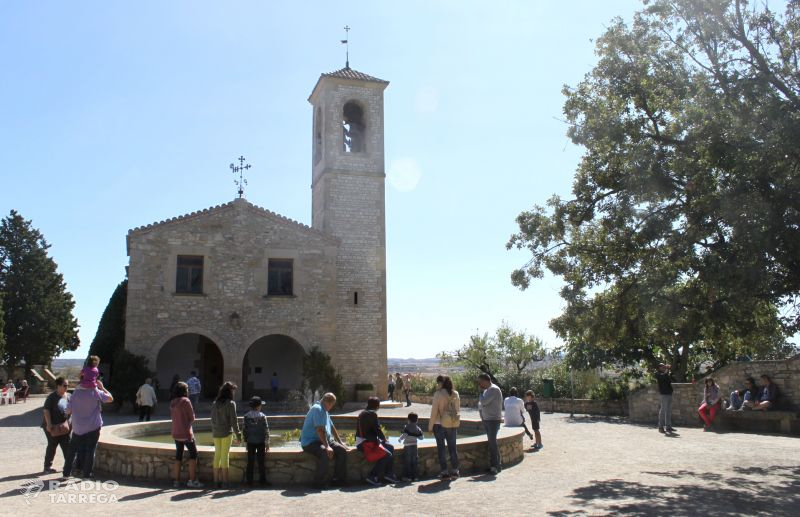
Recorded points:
(280, 277)
(318, 136)
(189, 274)
(355, 298)
(353, 128)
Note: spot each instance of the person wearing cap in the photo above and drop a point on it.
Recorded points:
(664, 380)
(255, 431)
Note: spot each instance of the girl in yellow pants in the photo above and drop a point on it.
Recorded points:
(224, 427)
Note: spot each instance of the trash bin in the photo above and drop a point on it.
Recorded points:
(548, 388)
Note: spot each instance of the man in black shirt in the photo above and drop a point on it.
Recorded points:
(665, 390)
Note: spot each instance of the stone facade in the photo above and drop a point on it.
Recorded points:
(120, 454)
(643, 404)
(233, 330)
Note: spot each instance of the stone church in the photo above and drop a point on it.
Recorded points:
(237, 292)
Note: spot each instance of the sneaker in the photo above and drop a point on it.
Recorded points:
(493, 471)
(194, 484)
(373, 481)
(406, 480)
(49, 470)
(177, 484)
(454, 474)
(390, 479)
(539, 447)
(670, 430)
(661, 430)
(444, 475)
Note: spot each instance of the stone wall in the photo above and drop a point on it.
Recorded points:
(643, 404)
(119, 454)
(585, 406)
(580, 406)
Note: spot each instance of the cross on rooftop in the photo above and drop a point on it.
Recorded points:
(241, 182)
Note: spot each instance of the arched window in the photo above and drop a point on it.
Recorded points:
(318, 136)
(353, 128)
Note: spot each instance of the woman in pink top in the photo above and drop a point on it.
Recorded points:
(182, 413)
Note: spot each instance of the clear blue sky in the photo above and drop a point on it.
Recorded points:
(118, 114)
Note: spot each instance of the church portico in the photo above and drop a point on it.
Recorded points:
(187, 352)
(272, 354)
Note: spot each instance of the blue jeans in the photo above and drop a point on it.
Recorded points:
(82, 447)
(410, 461)
(735, 401)
(447, 434)
(492, 428)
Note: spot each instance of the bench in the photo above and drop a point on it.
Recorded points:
(747, 418)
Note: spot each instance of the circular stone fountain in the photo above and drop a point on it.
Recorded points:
(123, 451)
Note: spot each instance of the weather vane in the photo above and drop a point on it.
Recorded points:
(241, 182)
(346, 43)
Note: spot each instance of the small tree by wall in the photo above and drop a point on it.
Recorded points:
(130, 372)
(320, 376)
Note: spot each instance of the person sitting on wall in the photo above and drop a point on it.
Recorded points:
(371, 441)
(766, 397)
(320, 438)
(740, 397)
(711, 403)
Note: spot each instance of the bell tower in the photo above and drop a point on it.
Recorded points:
(348, 202)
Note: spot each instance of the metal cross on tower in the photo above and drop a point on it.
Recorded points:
(346, 43)
(241, 182)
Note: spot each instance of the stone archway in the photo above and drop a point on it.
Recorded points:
(186, 352)
(275, 353)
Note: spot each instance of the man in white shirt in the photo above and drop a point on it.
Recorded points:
(146, 399)
(515, 411)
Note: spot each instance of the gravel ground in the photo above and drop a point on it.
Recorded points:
(589, 466)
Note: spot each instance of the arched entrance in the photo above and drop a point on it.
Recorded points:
(184, 353)
(275, 353)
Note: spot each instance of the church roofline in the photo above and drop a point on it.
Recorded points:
(348, 74)
(218, 208)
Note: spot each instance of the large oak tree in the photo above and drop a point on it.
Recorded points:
(681, 239)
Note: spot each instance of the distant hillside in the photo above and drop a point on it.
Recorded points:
(68, 363)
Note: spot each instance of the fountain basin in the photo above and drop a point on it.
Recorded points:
(121, 453)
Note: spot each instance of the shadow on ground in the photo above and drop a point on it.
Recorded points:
(772, 491)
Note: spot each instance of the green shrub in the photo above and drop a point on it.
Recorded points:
(320, 376)
(129, 373)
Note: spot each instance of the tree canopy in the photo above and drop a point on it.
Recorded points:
(503, 357)
(39, 324)
(682, 235)
(110, 336)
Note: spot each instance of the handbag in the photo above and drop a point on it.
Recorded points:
(60, 429)
(372, 451)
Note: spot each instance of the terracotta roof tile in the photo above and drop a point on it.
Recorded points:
(355, 75)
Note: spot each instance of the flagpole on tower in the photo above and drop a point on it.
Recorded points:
(346, 43)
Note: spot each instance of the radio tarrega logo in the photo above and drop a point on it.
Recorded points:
(84, 491)
(30, 489)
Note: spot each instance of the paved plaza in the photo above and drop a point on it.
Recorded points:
(589, 466)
